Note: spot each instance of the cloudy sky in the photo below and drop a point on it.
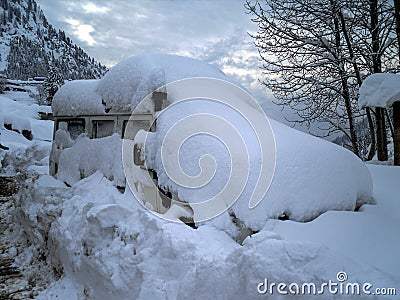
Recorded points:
(215, 31)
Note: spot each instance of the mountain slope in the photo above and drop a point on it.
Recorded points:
(29, 45)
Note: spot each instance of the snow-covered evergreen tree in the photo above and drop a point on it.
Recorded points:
(52, 83)
(3, 81)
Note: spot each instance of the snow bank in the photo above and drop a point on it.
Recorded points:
(10, 106)
(16, 114)
(380, 90)
(77, 97)
(23, 115)
(111, 248)
(17, 123)
(87, 156)
(42, 130)
(379, 221)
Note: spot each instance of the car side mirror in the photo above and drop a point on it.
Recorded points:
(138, 158)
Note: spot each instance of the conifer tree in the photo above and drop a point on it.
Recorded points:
(52, 83)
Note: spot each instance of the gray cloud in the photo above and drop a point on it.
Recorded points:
(213, 31)
(128, 27)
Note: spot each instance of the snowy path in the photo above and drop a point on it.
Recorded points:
(22, 276)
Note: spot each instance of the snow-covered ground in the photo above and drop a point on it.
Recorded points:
(104, 245)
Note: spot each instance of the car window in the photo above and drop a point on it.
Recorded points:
(102, 128)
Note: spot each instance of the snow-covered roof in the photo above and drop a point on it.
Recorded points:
(380, 90)
(78, 97)
(128, 82)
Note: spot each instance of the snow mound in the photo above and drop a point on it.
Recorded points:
(87, 156)
(77, 97)
(127, 83)
(16, 114)
(130, 81)
(19, 114)
(111, 248)
(380, 90)
(312, 176)
(17, 123)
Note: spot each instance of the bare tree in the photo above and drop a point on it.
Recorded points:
(344, 24)
(396, 105)
(377, 68)
(305, 62)
(316, 54)
(376, 47)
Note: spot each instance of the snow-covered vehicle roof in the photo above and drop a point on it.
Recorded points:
(127, 83)
(380, 90)
(78, 97)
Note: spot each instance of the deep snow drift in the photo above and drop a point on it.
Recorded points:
(86, 156)
(311, 176)
(111, 248)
